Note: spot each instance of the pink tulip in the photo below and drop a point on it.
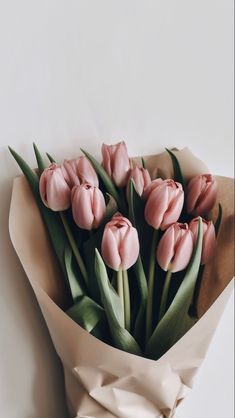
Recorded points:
(88, 206)
(141, 179)
(55, 192)
(164, 204)
(201, 194)
(79, 171)
(120, 243)
(209, 238)
(151, 187)
(116, 163)
(175, 248)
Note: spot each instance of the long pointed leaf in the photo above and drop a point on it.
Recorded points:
(122, 339)
(178, 175)
(136, 208)
(176, 322)
(39, 158)
(76, 288)
(218, 220)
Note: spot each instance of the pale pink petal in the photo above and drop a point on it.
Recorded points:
(193, 192)
(174, 210)
(98, 207)
(110, 251)
(209, 243)
(183, 253)
(165, 248)
(156, 206)
(129, 248)
(82, 208)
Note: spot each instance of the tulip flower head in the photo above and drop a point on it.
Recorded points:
(201, 194)
(141, 178)
(54, 190)
(175, 248)
(209, 238)
(120, 243)
(79, 171)
(116, 163)
(164, 204)
(88, 206)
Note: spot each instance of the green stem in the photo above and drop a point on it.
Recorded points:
(120, 291)
(165, 294)
(127, 302)
(74, 248)
(151, 277)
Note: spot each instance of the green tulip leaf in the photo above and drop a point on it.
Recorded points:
(136, 215)
(87, 313)
(75, 286)
(176, 321)
(143, 162)
(111, 208)
(178, 175)
(139, 327)
(110, 187)
(50, 158)
(39, 158)
(219, 219)
(122, 339)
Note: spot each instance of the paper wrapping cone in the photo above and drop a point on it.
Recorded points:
(101, 381)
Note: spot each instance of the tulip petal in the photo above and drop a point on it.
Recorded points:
(183, 252)
(129, 248)
(109, 250)
(174, 210)
(209, 244)
(57, 190)
(98, 207)
(165, 249)
(82, 208)
(156, 206)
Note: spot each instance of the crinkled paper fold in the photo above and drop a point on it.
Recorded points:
(101, 381)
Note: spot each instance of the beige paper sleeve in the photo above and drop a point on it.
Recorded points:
(101, 381)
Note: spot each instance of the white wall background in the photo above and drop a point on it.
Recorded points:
(75, 73)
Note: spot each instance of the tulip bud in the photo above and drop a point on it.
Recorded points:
(79, 171)
(120, 243)
(201, 194)
(88, 206)
(116, 163)
(209, 238)
(141, 178)
(164, 204)
(175, 248)
(55, 192)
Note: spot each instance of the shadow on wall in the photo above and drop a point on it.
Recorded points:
(31, 373)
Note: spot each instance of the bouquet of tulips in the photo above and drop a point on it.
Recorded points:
(131, 245)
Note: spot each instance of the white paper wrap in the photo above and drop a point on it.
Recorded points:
(101, 381)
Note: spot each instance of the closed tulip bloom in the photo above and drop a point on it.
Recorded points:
(88, 206)
(164, 204)
(209, 238)
(79, 171)
(116, 163)
(201, 194)
(141, 179)
(175, 248)
(120, 243)
(55, 192)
